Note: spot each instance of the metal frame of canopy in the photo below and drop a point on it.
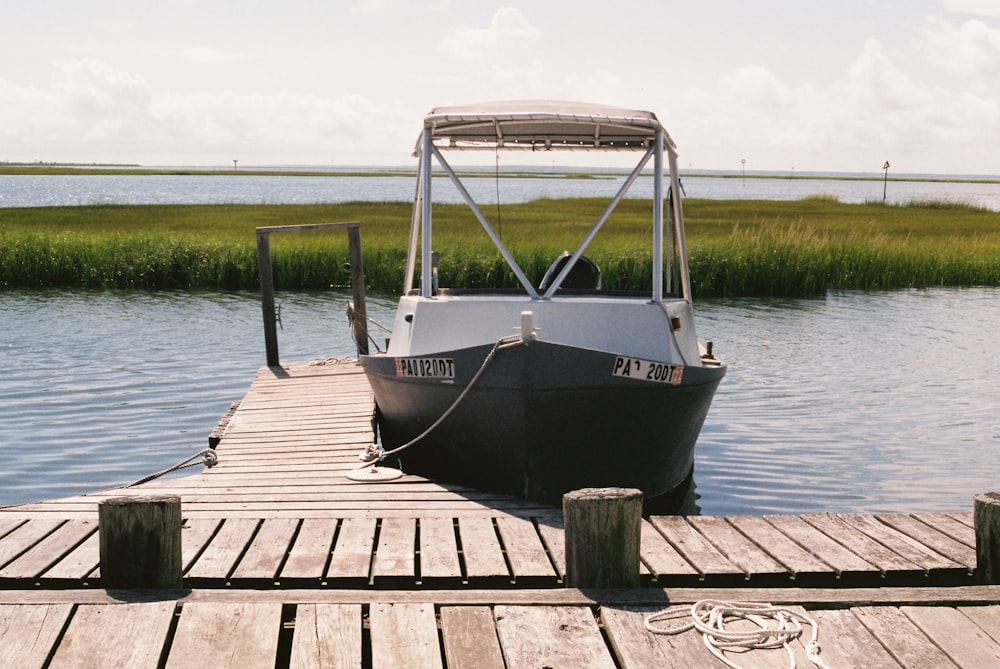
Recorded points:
(545, 126)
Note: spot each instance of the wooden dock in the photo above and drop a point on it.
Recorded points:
(287, 563)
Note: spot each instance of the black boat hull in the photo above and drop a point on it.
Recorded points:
(543, 419)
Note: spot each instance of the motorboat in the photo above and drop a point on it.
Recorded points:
(557, 385)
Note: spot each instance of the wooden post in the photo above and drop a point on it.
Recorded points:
(986, 516)
(360, 320)
(266, 273)
(140, 541)
(602, 527)
(267, 296)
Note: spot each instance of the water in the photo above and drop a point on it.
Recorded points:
(89, 189)
(852, 402)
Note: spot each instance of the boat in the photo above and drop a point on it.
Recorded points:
(547, 388)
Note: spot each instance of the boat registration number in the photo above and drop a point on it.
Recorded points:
(648, 370)
(426, 368)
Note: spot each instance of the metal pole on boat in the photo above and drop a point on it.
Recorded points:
(658, 218)
(426, 288)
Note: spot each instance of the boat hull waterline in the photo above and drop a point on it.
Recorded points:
(543, 418)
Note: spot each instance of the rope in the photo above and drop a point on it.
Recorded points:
(502, 343)
(331, 361)
(710, 617)
(207, 457)
(353, 316)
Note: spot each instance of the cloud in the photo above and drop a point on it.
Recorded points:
(974, 7)
(504, 50)
(202, 55)
(967, 52)
(93, 111)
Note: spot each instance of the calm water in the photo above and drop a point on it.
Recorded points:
(853, 402)
(41, 190)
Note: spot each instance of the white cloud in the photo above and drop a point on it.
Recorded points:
(966, 52)
(201, 55)
(974, 7)
(93, 111)
(756, 84)
(504, 50)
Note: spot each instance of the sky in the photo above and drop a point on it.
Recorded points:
(786, 85)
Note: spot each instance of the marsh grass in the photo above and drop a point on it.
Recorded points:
(796, 248)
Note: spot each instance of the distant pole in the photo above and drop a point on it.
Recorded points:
(885, 181)
(235, 169)
(743, 163)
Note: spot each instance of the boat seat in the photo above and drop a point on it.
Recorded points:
(584, 275)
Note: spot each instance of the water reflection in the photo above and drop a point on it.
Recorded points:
(856, 402)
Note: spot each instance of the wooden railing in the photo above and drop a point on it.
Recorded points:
(359, 318)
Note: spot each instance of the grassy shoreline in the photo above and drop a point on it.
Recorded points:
(787, 248)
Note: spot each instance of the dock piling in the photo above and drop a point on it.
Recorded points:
(602, 528)
(986, 518)
(140, 541)
(359, 322)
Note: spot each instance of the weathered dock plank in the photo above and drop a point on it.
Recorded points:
(404, 635)
(327, 636)
(525, 550)
(695, 548)
(352, 556)
(241, 635)
(439, 550)
(29, 632)
(221, 555)
(116, 637)
(395, 553)
(42, 555)
(557, 636)
(265, 555)
(957, 635)
(844, 640)
(469, 638)
(308, 556)
(481, 551)
(800, 563)
(501, 550)
(232, 628)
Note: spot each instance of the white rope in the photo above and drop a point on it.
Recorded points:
(331, 361)
(777, 627)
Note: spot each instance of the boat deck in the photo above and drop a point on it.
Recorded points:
(288, 563)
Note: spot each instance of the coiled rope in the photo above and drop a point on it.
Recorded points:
(376, 454)
(777, 627)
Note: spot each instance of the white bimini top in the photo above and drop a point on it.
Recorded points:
(542, 125)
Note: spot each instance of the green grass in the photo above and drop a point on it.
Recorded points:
(797, 248)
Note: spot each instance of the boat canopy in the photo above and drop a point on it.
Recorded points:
(542, 125)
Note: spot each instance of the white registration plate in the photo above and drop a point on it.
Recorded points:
(426, 368)
(648, 370)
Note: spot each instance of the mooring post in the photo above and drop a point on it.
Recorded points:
(360, 318)
(602, 527)
(267, 296)
(140, 542)
(986, 517)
